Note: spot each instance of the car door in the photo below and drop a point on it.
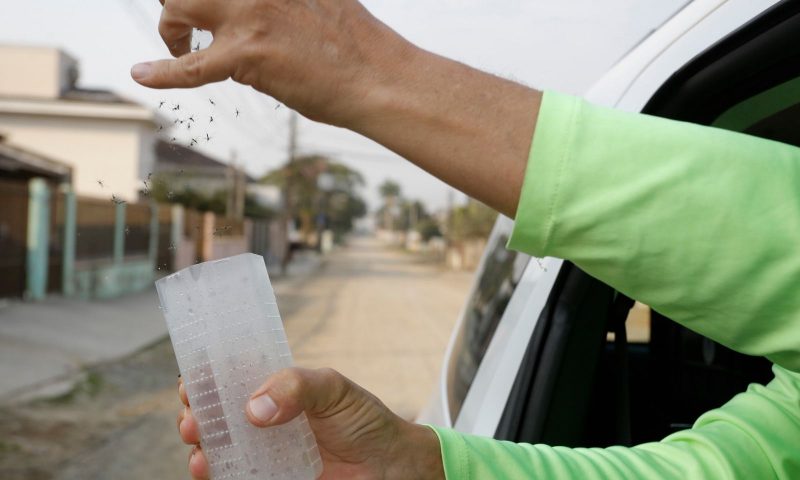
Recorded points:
(581, 383)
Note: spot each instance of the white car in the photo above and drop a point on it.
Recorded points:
(540, 353)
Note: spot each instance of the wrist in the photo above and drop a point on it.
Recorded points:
(383, 77)
(416, 454)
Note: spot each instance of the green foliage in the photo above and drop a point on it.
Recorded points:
(473, 220)
(390, 189)
(428, 229)
(316, 186)
(196, 200)
(8, 447)
(90, 386)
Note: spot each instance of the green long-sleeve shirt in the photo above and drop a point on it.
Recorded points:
(704, 226)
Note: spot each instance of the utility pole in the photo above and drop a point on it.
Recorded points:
(288, 193)
(448, 229)
(236, 191)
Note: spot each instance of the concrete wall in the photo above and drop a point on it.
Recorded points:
(119, 153)
(34, 72)
(106, 279)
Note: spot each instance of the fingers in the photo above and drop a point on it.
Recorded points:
(198, 466)
(187, 425)
(190, 434)
(290, 392)
(182, 394)
(190, 70)
(176, 33)
(188, 428)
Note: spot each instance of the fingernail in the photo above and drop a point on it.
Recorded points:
(263, 408)
(141, 70)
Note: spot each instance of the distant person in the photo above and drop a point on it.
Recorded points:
(623, 196)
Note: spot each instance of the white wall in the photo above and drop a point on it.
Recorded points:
(33, 72)
(118, 153)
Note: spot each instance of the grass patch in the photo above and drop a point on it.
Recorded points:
(89, 386)
(7, 447)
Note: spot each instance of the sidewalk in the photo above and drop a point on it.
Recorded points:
(50, 341)
(45, 345)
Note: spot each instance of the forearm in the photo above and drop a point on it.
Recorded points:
(699, 223)
(470, 129)
(416, 453)
(752, 436)
(336, 63)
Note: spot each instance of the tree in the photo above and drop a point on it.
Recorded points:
(215, 202)
(333, 204)
(473, 220)
(391, 192)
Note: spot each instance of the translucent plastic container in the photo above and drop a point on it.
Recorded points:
(228, 338)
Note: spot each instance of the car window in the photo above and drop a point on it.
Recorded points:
(499, 278)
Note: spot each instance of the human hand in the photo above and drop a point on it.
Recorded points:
(320, 57)
(357, 435)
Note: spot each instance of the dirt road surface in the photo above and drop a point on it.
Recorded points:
(380, 316)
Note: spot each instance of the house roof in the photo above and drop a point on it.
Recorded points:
(17, 161)
(171, 157)
(95, 96)
(170, 154)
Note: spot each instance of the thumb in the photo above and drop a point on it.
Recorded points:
(288, 393)
(190, 70)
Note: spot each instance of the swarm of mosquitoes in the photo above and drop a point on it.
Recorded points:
(181, 119)
(190, 123)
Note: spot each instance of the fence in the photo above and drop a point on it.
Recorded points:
(13, 237)
(95, 221)
(54, 241)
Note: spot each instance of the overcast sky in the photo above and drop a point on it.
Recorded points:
(553, 44)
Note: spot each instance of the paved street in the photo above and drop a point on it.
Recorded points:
(380, 316)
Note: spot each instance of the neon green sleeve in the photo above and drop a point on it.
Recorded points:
(754, 436)
(704, 226)
(701, 224)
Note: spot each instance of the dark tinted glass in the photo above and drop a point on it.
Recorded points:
(498, 280)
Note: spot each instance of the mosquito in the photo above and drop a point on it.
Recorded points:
(173, 139)
(237, 113)
(116, 200)
(161, 104)
(176, 107)
(196, 47)
(188, 126)
(211, 119)
(100, 182)
(208, 137)
(212, 102)
(160, 128)
(193, 142)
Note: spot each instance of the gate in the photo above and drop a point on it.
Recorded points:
(13, 237)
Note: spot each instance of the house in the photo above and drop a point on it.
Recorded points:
(107, 141)
(20, 165)
(184, 168)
